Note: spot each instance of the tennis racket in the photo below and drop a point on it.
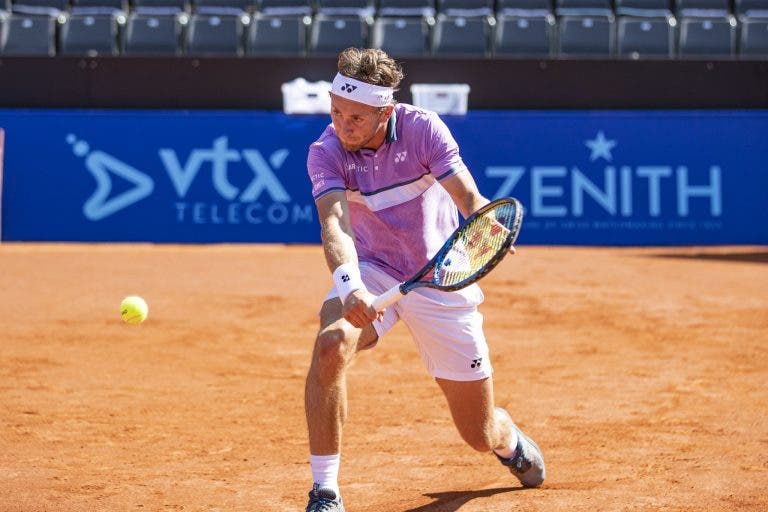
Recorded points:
(473, 250)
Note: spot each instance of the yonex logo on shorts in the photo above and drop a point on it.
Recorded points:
(477, 363)
(348, 88)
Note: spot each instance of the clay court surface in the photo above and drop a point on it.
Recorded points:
(642, 374)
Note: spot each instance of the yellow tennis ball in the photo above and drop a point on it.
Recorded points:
(133, 309)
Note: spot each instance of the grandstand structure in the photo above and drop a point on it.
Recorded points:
(630, 29)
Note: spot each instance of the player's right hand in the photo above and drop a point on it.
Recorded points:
(357, 309)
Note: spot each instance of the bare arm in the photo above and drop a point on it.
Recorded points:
(336, 230)
(339, 247)
(464, 193)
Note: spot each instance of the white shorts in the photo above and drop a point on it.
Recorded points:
(446, 326)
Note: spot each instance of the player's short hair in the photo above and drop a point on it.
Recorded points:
(370, 65)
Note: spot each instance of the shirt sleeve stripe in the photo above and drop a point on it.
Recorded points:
(327, 191)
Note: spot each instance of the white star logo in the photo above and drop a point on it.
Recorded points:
(601, 147)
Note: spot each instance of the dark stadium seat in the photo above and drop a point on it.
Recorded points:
(752, 8)
(331, 34)
(346, 7)
(212, 34)
(401, 36)
(642, 8)
(223, 6)
(523, 35)
(456, 35)
(153, 34)
(586, 36)
(703, 8)
(465, 8)
(523, 7)
(29, 35)
(701, 37)
(399, 8)
(95, 6)
(284, 7)
(278, 35)
(583, 7)
(754, 37)
(160, 6)
(645, 37)
(89, 34)
(47, 7)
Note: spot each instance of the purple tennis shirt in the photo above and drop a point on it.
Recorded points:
(399, 212)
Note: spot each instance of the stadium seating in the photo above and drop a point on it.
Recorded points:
(285, 7)
(331, 34)
(222, 6)
(640, 37)
(425, 8)
(465, 8)
(524, 35)
(153, 34)
(346, 7)
(635, 29)
(48, 7)
(99, 6)
(586, 36)
(643, 8)
(401, 37)
(29, 35)
(460, 36)
(754, 37)
(214, 34)
(707, 37)
(278, 35)
(89, 34)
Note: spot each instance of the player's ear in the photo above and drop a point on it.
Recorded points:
(388, 111)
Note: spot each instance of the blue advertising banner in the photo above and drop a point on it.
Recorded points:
(604, 178)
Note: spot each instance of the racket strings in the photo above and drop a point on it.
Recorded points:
(481, 242)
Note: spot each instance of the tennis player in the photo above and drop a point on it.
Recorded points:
(389, 183)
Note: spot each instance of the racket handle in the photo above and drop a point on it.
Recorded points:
(387, 298)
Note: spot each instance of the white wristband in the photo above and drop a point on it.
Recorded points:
(347, 279)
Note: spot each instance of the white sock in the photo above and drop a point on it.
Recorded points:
(511, 450)
(325, 470)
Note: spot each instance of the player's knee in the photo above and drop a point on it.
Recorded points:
(331, 352)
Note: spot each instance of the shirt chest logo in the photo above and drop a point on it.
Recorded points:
(357, 167)
(400, 157)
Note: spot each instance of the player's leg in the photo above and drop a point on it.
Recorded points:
(485, 427)
(325, 400)
(471, 406)
(448, 331)
(325, 396)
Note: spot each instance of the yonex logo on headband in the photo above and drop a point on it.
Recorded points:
(368, 94)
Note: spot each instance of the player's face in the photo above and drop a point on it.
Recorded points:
(358, 125)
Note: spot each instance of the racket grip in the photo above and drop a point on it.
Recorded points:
(387, 298)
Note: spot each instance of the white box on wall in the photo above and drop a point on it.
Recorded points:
(441, 98)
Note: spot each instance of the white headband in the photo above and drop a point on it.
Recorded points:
(362, 92)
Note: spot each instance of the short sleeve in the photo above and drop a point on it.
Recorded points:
(324, 172)
(441, 149)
